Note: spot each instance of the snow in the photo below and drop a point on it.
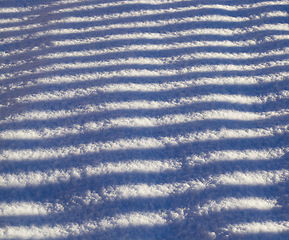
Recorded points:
(235, 203)
(144, 119)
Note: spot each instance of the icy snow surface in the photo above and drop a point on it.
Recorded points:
(144, 119)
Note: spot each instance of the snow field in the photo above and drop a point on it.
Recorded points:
(144, 119)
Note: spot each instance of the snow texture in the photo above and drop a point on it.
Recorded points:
(144, 119)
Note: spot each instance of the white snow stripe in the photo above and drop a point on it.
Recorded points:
(42, 178)
(10, 20)
(81, 92)
(91, 7)
(227, 204)
(130, 72)
(118, 3)
(13, 64)
(278, 37)
(38, 178)
(198, 7)
(146, 87)
(170, 119)
(36, 7)
(164, 190)
(158, 23)
(23, 50)
(23, 9)
(151, 191)
(252, 178)
(142, 104)
(28, 208)
(20, 28)
(138, 143)
(149, 47)
(129, 48)
(152, 35)
(178, 34)
(167, 60)
(141, 166)
(110, 88)
(64, 2)
(236, 155)
(13, 39)
(258, 227)
(153, 61)
(131, 219)
(19, 19)
(15, 9)
(246, 6)
(202, 18)
(132, 25)
(169, 10)
(164, 60)
(153, 47)
(125, 220)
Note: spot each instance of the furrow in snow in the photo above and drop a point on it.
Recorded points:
(138, 143)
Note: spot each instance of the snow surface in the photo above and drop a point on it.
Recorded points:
(144, 119)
